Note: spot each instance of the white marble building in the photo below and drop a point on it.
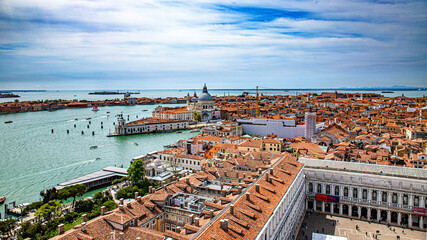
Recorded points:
(379, 193)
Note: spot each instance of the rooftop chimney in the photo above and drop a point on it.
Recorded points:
(281, 166)
(103, 210)
(267, 177)
(197, 221)
(271, 171)
(113, 235)
(257, 188)
(191, 218)
(122, 201)
(122, 236)
(248, 196)
(121, 207)
(136, 195)
(60, 229)
(84, 217)
(150, 189)
(83, 226)
(232, 209)
(223, 223)
(138, 199)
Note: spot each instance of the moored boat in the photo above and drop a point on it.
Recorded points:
(95, 108)
(93, 147)
(8, 122)
(2, 199)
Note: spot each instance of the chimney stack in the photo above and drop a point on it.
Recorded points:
(248, 196)
(83, 226)
(84, 217)
(138, 199)
(103, 210)
(281, 166)
(232, 209)
(60, 229)
(191, 218)
(113, 235)
(271, 171)
(150, 189)
(267, 177)
(257, 188)
(122, 236)
(136, 195)
(121, 207)
(122, 201)
(197, 222)
(223, 223)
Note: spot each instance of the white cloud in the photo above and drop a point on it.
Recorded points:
(200, 39)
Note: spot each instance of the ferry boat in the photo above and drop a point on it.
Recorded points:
(93, 147)
(195, 130)
(88, 118)
(8, 122)
(2, 199)
(95, 108)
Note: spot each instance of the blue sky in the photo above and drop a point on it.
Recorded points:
(127, 44)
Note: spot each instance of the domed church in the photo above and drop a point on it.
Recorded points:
(204, 106)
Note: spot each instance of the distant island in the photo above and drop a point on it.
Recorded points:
(111, 93)
(8, 95)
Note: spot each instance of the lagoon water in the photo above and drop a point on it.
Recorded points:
(33, 159)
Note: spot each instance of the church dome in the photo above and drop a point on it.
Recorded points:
(205, 96)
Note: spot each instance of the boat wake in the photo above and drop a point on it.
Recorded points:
(54, 169)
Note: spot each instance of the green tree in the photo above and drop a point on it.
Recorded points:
(48, 210)
(197, 117)
(6, 226)
(136, 173)
(72, 191)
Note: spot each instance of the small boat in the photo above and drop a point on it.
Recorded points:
(387, 92)
(2, 199)
(144, 110)
(8, 122)
(75, 119)
(196, 130)
(88, 118)
(93, 147)
(108, 112)
(98, 158)
(135, 143)
(95, 108)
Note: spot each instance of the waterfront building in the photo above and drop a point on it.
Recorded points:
(379, 193)
(204, 106)
(148, 125)
(177, 113)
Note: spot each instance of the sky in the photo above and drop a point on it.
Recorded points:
(174, 44)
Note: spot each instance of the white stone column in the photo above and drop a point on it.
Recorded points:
(399, 218)
(410, 220)
(389, 216)
(314, 204)
(359, 211)
(340, 208)
(369, 194)
(331, 209)
(323, 206)
(349, 210)
(411, 200)
(369, 213)
(421, 222)
(378, 214)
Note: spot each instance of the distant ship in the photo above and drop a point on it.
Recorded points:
(8, 122)
(95, 108)
(387, 92)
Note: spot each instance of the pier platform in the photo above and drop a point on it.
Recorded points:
(98, 178)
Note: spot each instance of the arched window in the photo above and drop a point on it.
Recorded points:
(319, 188)
(310, 187)
(346, 192)
(337, 190)
(328, 189)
